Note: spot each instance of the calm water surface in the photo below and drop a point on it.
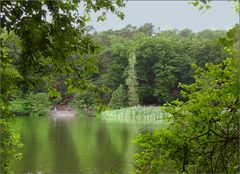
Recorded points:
(78, 145)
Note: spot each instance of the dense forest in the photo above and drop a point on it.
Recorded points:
(189, 79)
(163, 59)
(134, 66)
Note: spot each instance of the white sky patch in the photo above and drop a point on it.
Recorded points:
(171, 15)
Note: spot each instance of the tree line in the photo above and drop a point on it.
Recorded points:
(133, 65)
(142, 66)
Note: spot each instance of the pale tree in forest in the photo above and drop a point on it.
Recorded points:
(131, 81)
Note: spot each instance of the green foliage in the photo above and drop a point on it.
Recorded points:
(147, 50)
(46, 40)
(37, 103)
(162, 60)
(206, 4)
(203, 136)
(152, 159)
(119, 98)
(201, 4)
(32, 104)
(116, 71)
(90, 101)
(10, 144)
(51, 33)
(147, 29)
(83, 101)
(131, 82)
(10, 77)
(18, 106)
(67, 50)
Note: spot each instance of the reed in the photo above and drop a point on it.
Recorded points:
(135, 112)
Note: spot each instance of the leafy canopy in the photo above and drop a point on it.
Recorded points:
(203, 133)
(51, 32)
(53, 41)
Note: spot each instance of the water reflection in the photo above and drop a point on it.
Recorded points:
(79, 145)
(29, 136)
(62, 147)
(107, 153)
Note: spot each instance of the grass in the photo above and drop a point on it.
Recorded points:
(135, 112)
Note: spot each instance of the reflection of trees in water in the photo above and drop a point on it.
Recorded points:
(63, 150)
(109, 158)
(63, 146)
(29, 136)
(125, 137)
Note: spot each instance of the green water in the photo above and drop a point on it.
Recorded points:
(78, 145)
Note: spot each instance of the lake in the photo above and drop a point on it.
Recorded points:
(77, 145)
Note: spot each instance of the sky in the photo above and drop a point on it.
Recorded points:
(171, 15)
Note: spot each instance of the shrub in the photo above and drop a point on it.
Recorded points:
(18, 106)
(119, 98)
(83, 101)
(37, 103)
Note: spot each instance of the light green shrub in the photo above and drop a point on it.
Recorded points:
(37, 103)
(119, 98)
(18, 106)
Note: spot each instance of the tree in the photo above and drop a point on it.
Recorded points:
(119, 98)
(163, 60)
(147, 28)
(116, 72)
(203, 133)
(131, 82)
(83, 101)
(186, 33)
(10, 76)
(207, 51)
(50, 33)
(211, 35)
(147, 51)
(168, 71)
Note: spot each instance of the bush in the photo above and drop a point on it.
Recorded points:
(18, 106)
(119, 98)
(37, 103)
(83, 101)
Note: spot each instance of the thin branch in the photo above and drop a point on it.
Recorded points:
(218, 134)
(235, 136)
(198, 136)
(221, 129)
(185, 146)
